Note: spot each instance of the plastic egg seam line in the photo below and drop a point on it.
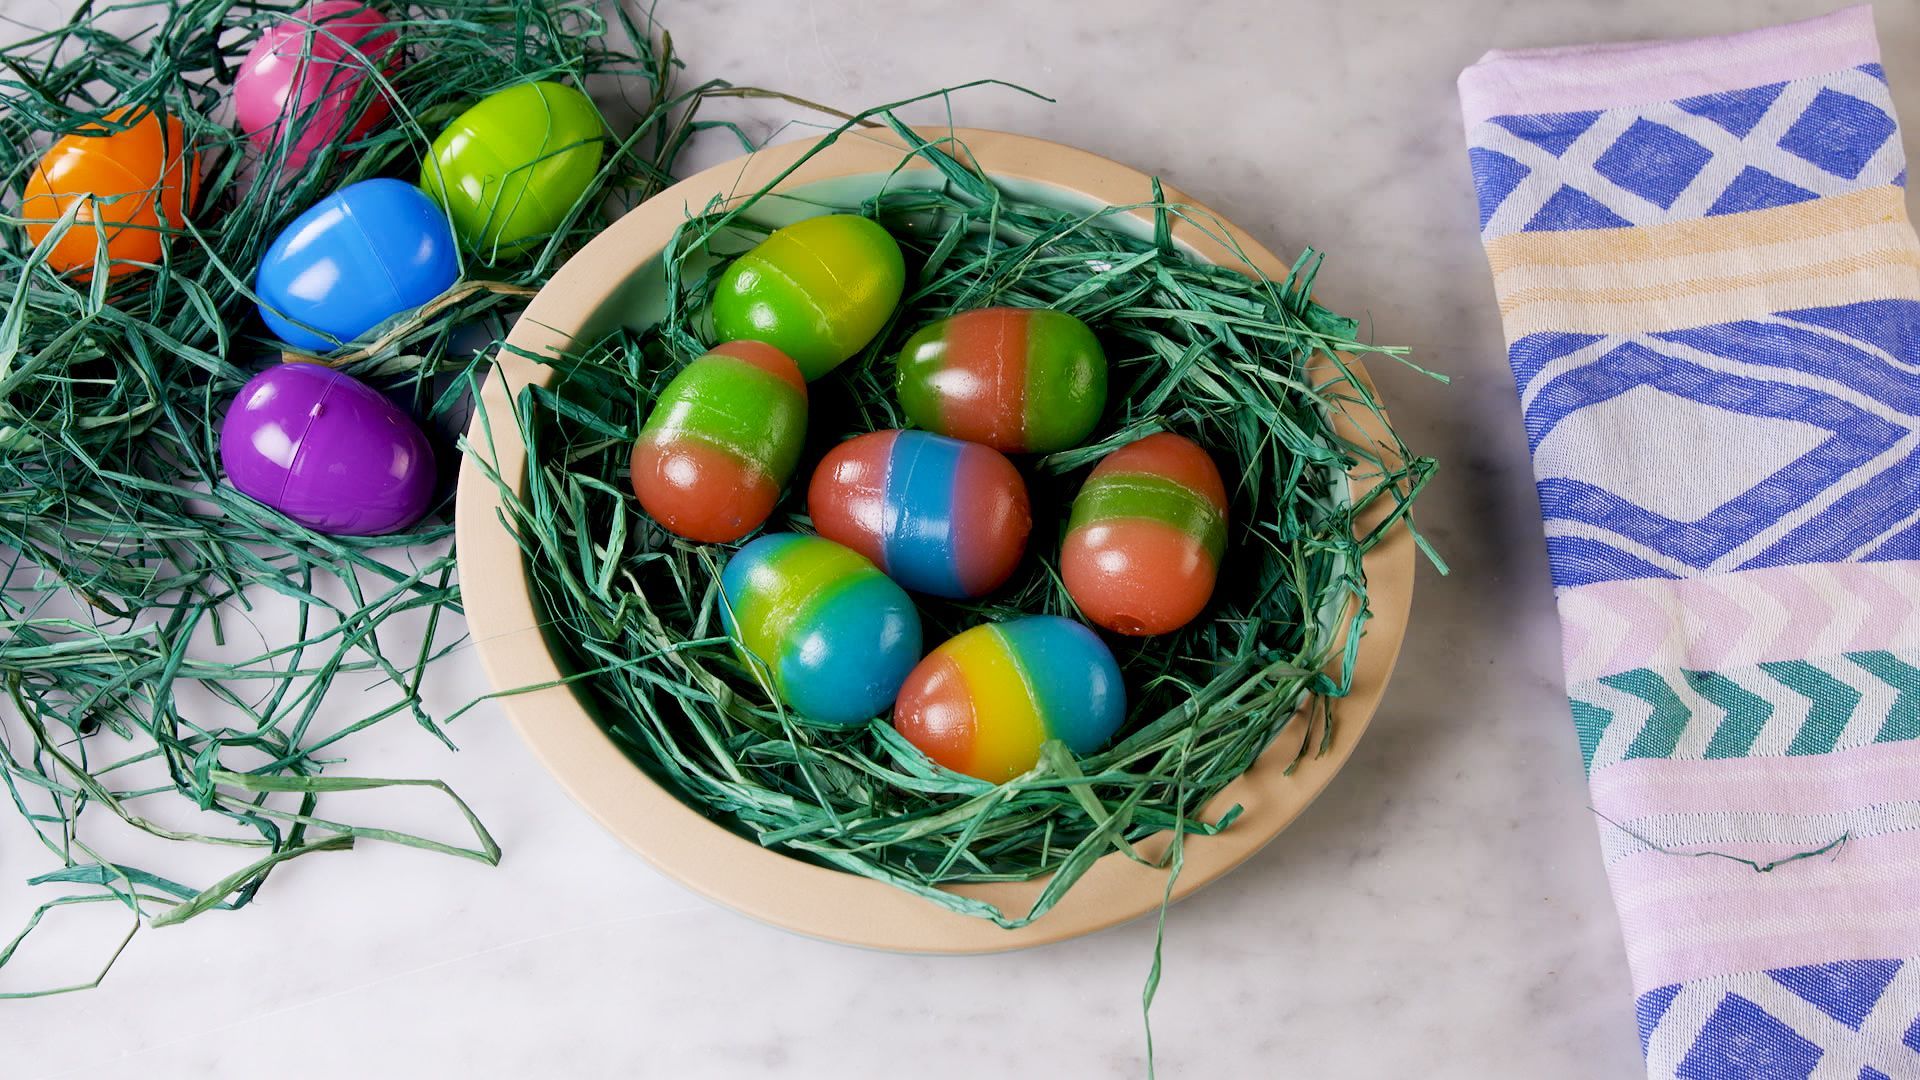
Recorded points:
(828, 326)
(897, 501)
(1191, 512)
(1018, 662)
(346, 207)
(807, 587)
(530, 190)
(1018, 436)
(149, 196)
(889, 512)
(300, 443)
(823, 324)
(750, 465)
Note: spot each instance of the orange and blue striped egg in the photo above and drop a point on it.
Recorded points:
(987, 700)
(938, 515)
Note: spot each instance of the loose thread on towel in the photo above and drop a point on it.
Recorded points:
(1833, 845)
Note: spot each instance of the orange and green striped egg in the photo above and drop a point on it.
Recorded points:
(1016, 379)
(721, 441)
(1146, 535)
(818, 290)
(836, 635)
(987, 700)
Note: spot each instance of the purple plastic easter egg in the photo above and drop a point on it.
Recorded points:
(328, 451)
(306, 70)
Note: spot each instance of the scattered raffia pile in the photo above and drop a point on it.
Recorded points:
(120, 547)
(1218, 353)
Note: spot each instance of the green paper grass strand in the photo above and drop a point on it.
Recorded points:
(126, 563)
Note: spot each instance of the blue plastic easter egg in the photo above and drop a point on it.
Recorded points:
(355, 259)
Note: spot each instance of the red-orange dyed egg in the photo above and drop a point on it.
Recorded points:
(128, 181)
(1146, 535)
(721, 442)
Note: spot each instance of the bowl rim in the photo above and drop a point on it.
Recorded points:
(731, 869)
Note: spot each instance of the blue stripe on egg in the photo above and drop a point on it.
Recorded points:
(1074, 677)
(920, 479)
(870, 618)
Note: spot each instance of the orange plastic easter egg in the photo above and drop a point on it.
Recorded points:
(127, 179)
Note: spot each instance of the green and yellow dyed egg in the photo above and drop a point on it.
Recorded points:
(721, 442)
(1146, 535)
(509, 169)
(818, 290)
(988, 699)
(1015, 379)
(836, 634)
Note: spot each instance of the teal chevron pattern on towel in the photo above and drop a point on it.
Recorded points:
(1787, 708)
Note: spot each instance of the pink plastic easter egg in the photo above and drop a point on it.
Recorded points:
(304, 72)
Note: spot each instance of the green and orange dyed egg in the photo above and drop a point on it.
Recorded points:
(1146, 536)
(818, 290)
(721, 442)
(1018, 380)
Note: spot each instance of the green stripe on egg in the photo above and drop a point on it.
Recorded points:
(742, 409)
(1066, 380)
(1154, 498)
(807, 570)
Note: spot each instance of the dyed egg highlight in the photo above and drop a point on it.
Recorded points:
(1015, 379)
(938, 515)
(1146, 535)
(126, 180)
(354, 260)
(328, 451)
(818, 289)
(985, 701)
(300, 79)
(837, 635)
(509, 169)
(721, 442)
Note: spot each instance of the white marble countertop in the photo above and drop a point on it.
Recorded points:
(1440, 912)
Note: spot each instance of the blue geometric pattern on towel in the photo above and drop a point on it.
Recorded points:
(1853, 1019)
(1725, 153)
(1796, 438)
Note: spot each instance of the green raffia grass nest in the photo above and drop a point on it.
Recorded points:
(125, 558)
(1249, 367)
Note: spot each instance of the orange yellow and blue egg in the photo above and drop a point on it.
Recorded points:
(987, 700)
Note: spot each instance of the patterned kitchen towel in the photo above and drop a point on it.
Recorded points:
(1712, 295)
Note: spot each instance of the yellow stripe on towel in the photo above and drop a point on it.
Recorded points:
(1830, 216)
(1693, 273)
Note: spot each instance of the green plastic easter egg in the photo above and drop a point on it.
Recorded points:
(508, 169)
(817, 290)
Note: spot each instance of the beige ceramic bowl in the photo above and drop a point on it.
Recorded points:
(616, 278)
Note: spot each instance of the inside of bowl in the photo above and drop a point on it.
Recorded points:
(639, 301)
